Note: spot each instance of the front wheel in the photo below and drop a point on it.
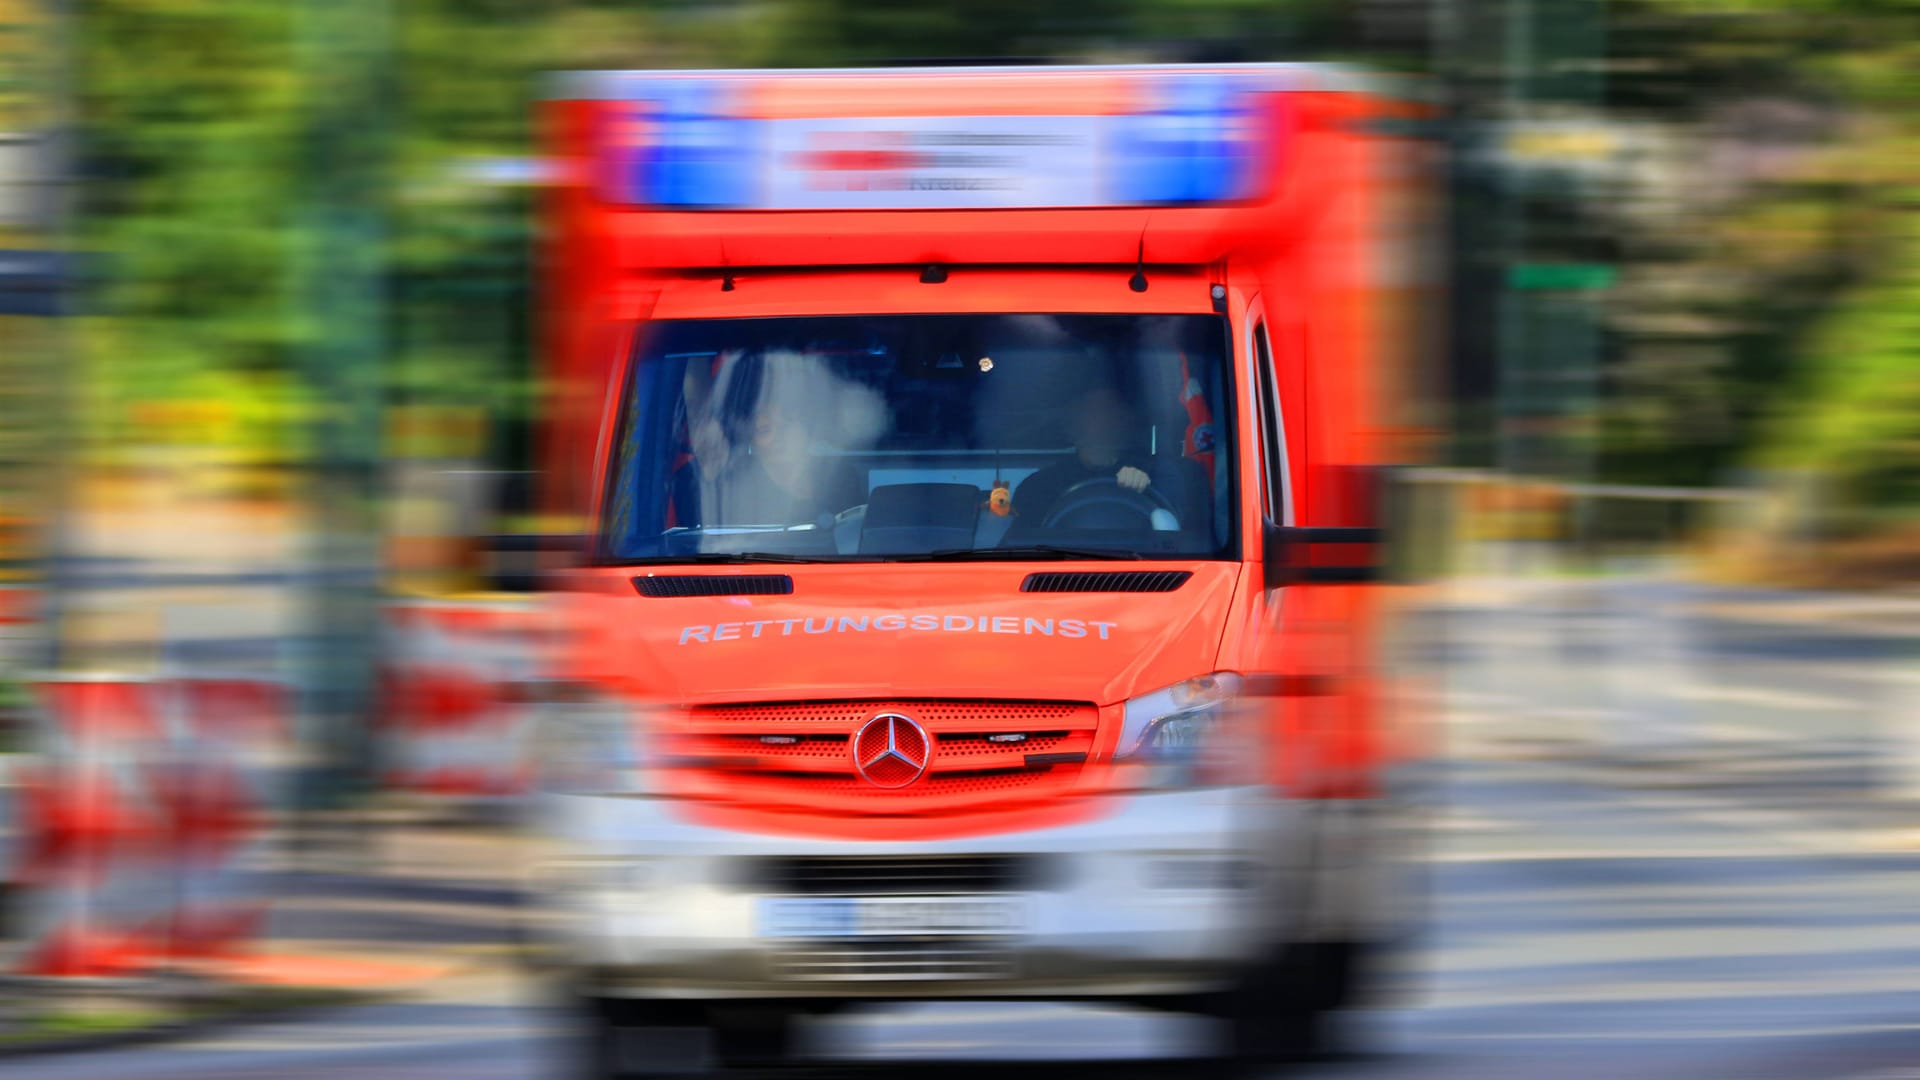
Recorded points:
(1282, 1009)
(753, 1034)
(622, 1037)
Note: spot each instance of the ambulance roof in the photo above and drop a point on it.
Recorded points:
(615, 84)
(995, 165)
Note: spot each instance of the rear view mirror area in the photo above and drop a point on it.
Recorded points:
(1370, 545)
(1322, 555)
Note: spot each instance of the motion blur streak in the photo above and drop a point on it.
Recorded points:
(1372, 540)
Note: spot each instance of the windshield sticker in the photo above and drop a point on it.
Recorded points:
(860, 624)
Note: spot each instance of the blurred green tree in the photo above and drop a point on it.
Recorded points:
(1761, 323)
(191, 117)
(1770, 266)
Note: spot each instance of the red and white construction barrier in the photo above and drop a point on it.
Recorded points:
(233, 737)
(452, 724)
(139, 820)
(87, 831)
(19, 624)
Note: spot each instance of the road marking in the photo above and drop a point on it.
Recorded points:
(1782, 829)
(1471, 698)
(1882, 670)
(1787, 984)
(1608, 854)
(356, 1037)
(1771, 1031)
(1734, 732)
(1456, 820)
(1770, 699)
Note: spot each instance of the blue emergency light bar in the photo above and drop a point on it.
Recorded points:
(1200, 145)
(686, 143)
(692, 150)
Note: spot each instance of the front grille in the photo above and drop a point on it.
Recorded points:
(938, 716)
(799, 755)
(893, 959)
(841, 791)
(798, 751)
(923, 875)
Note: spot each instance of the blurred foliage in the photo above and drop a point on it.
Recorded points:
(28, 55)
(192, 124)
(1768, 319)
(1766, 244)
(199, 133)
(1862, 425)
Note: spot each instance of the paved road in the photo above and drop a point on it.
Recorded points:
(1699, 882)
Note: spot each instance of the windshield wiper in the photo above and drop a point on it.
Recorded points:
(1023, 553)
(723, 557)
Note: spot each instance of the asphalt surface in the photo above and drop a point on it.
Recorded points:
(1664, 846)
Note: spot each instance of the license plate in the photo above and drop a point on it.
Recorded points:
(888, 916)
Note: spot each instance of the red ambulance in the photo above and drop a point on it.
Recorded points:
(982, 476)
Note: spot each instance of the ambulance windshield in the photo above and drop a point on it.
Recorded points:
(925, 437)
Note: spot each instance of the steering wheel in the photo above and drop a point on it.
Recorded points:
(1105, 493)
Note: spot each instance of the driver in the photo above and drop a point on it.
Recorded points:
(1101, 422)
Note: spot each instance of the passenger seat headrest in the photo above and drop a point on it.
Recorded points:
(909, 518)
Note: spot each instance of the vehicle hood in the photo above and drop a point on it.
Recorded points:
(899, 629)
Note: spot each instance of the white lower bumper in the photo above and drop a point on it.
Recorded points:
(1165, 893)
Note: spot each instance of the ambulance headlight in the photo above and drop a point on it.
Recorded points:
(1190, 734)
(592, 743)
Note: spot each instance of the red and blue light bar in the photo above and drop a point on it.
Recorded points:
(695, 142)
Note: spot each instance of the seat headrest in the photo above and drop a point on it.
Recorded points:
(908, 518)
(936, 505)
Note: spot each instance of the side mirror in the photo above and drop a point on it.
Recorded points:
(1335, 554)
(521, 562)
(1291, 556)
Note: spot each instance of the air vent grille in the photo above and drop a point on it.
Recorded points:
(1106, 581)
(894, 960)
(922, 875)
(668, 586)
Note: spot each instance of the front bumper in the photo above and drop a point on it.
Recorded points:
(1166, 894)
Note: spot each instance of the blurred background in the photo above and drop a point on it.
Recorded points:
(268, 400)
